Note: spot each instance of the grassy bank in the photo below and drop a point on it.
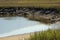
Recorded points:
(46, 35)
(30, 3)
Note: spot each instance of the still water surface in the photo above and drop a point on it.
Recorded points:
(20, 25)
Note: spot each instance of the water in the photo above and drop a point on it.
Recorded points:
(20, 25)
(12, 23)
(55, 25)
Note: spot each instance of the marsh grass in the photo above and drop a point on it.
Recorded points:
(30, 3)
(46, 35)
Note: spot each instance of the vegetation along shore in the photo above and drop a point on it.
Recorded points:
(42, 35)
(46, 11)
(40, 10)
(46, 15)
(46, 35)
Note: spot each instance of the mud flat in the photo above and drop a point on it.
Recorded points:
(17, 37)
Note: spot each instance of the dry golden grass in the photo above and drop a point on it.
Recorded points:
(30, 3)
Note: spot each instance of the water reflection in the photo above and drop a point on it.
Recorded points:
(10, 18)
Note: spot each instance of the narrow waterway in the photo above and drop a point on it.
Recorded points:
(20, 25)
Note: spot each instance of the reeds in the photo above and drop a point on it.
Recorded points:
(46, 35)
